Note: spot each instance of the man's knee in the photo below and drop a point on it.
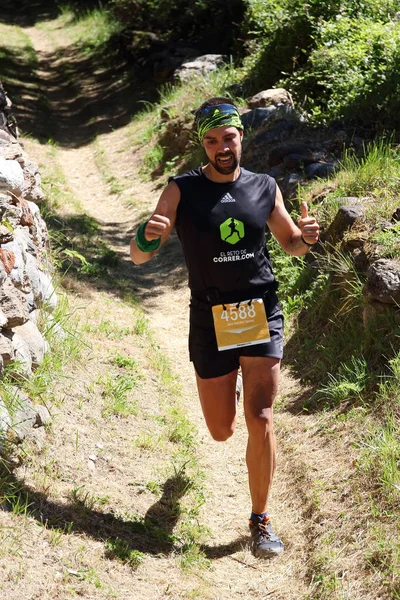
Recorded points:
(260, 421)
(221, 434)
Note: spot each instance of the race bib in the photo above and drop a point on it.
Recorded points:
(243, 324)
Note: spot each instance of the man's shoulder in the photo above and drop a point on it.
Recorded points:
(252, 174)
(187, 176)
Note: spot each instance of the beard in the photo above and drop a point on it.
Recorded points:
(229, 167)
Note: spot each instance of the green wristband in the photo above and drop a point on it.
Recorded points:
(143, 244)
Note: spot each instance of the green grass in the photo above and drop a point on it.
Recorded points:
(91, 29)
(115, 391)
(121, 550)
(115, 186)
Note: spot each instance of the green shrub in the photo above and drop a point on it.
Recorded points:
(353, 72)
(209, 24)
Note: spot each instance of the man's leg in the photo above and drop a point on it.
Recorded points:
(260, 381)
(218, 401)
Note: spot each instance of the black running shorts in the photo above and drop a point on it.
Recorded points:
(208, 360)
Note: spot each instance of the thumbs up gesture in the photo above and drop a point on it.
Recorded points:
(158, 223)
(308, 226)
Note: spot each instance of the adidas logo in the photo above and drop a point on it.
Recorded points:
(227, 198)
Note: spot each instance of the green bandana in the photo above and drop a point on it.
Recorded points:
(221, 115)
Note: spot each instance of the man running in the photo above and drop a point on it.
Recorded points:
(235, 318)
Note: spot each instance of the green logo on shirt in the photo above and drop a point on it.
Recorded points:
(232, 231)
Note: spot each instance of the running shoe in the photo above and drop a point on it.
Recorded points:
(264, 542)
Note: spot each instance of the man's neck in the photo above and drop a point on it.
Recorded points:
(217, 177)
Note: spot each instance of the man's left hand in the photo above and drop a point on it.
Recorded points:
(308, 226)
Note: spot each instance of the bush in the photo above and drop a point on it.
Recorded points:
(353, 73)
(210, 25)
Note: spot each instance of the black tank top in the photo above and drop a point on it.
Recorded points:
(221, 227)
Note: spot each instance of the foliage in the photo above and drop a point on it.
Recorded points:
(352, 72)
(210, 24)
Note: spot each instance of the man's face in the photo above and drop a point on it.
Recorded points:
(223, 146)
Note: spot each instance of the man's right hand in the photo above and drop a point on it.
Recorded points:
(158, 223)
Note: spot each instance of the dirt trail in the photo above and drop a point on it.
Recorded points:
(302, 459)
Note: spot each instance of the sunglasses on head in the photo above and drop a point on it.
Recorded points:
(209, 111)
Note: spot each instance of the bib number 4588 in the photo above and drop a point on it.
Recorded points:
(243, 311)
(243, 324)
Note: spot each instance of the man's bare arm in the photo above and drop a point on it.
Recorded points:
(159, 225)
(294, 239)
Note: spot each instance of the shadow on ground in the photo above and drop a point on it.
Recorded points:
(152, 534)
(83, 253)
(69, 95)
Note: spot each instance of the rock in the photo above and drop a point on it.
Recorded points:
(343, 221)
(5, 235)
(275, 133)
(32, 188)
(3, 319)
(11, 176)
(3, 273)
(202, 65)
(7, 259)
(321, 170)
(297, 161)
(33, 339)
(13, 305)
(47, 296)
(24, 415)
(5, 423)
(6, 350)
(374, 309)
(27, 219)
(20, 353)
(274, 96)
(4, 136)
(43, 416)
(396, 215)
(383, 283)
(289, 185)
(253, 119)
(278, 153)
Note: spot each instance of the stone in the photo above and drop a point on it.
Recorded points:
(396, 216)
(297, 161)
(3, 274)
(253, 119)
(7, 259)
(47, 296)
(274, 96)
(289, 185)
(11, 176)
(383, 281)
(320, 169)
(275, 133)
(43, 416)
(201, 65)
(5, 423)
(13, 304)
(32, 189)
(278, 153)
(27, 219)
(343, 221)
(4, 136)
(6, 235)
(21, 352)
(6, 351)
(33, 339)
(23, 415)
(3, 319)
